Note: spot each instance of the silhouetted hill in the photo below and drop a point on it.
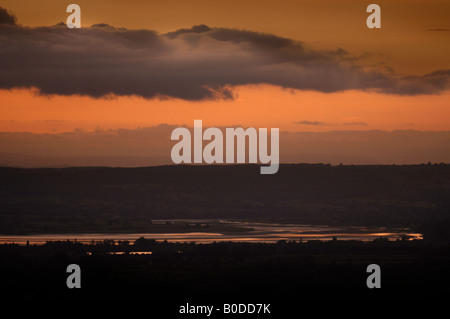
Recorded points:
(127, 199)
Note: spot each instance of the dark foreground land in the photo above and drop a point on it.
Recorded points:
(284, 272)
(127, 200)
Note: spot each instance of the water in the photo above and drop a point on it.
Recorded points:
(261, 232)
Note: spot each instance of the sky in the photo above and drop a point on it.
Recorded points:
(140, 68)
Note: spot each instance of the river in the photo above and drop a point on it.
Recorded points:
(259, 232)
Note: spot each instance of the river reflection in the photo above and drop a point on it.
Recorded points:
(258, 232)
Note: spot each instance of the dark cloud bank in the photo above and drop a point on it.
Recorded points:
(192, 64)
(152, 145)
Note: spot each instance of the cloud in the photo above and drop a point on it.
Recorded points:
(7, 17)
(192, 64)
(152, 146)
(315, 123)
(319, 123)
(355, 123)
(146, 141)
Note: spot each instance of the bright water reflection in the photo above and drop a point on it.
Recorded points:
(260, 232)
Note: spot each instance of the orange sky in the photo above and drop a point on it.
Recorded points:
(405, 44)
(257, 106)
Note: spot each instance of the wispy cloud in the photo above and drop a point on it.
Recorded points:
(355, 123)
(319, 123)
(314, 123)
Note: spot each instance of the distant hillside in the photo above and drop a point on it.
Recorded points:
(127, 199)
